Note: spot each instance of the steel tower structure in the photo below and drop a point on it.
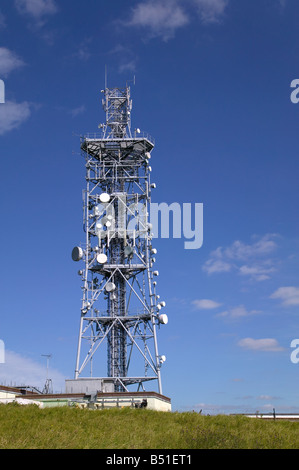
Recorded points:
(120, 307)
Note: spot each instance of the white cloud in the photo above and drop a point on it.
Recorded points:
(127, 66)
(162, 18)
(264, 344)
(12, 115)
(267, 397)
(205, 304)
(9, 61)
(242, 251)
(83, 52)
(79, 110)
(233, 258)
(257, 272)
(288, 295)
(214, 265)
(126, 57)
(211, 11)
(238, 312)
(20, 370)
(37, 9)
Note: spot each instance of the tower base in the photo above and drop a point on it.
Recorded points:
(99, 393)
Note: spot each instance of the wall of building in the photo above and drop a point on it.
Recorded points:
(87, 385)
(6, 395)
(80, 397)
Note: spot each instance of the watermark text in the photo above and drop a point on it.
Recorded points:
(2, 352)
(157, 220)
(295, 93)
(295, 353)
(2, 92)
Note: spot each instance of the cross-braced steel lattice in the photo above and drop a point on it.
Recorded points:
(120, 308)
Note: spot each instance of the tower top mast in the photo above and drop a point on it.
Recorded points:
(117, 105)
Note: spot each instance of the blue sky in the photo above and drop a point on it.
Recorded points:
(213, 88)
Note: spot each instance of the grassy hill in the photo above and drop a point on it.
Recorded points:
(28, 427)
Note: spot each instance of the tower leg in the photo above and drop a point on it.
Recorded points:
(79, 349)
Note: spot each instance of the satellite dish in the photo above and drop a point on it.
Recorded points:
(163, 303)
(77, 253)
(163, 318)
(138, 130)
(163, 358)
(104, 197)
(110, 287)
(128, 251)
(147, 155)
(106, 221)
(102, 258)
(156, 273)
(154, 251)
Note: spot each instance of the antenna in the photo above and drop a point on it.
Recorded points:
(132, 80)
(48, 384)
(117, 106)
(105, 77)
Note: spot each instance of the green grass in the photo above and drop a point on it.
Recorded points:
(28, 427)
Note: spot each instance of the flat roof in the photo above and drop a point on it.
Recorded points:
(19, 390)
(99, 395)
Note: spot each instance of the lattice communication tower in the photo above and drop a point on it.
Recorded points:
(120, 311)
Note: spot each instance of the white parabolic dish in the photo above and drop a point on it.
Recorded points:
(110, 287)
(101, 258)
(163, 319)
(77, 253)
(104, 197)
